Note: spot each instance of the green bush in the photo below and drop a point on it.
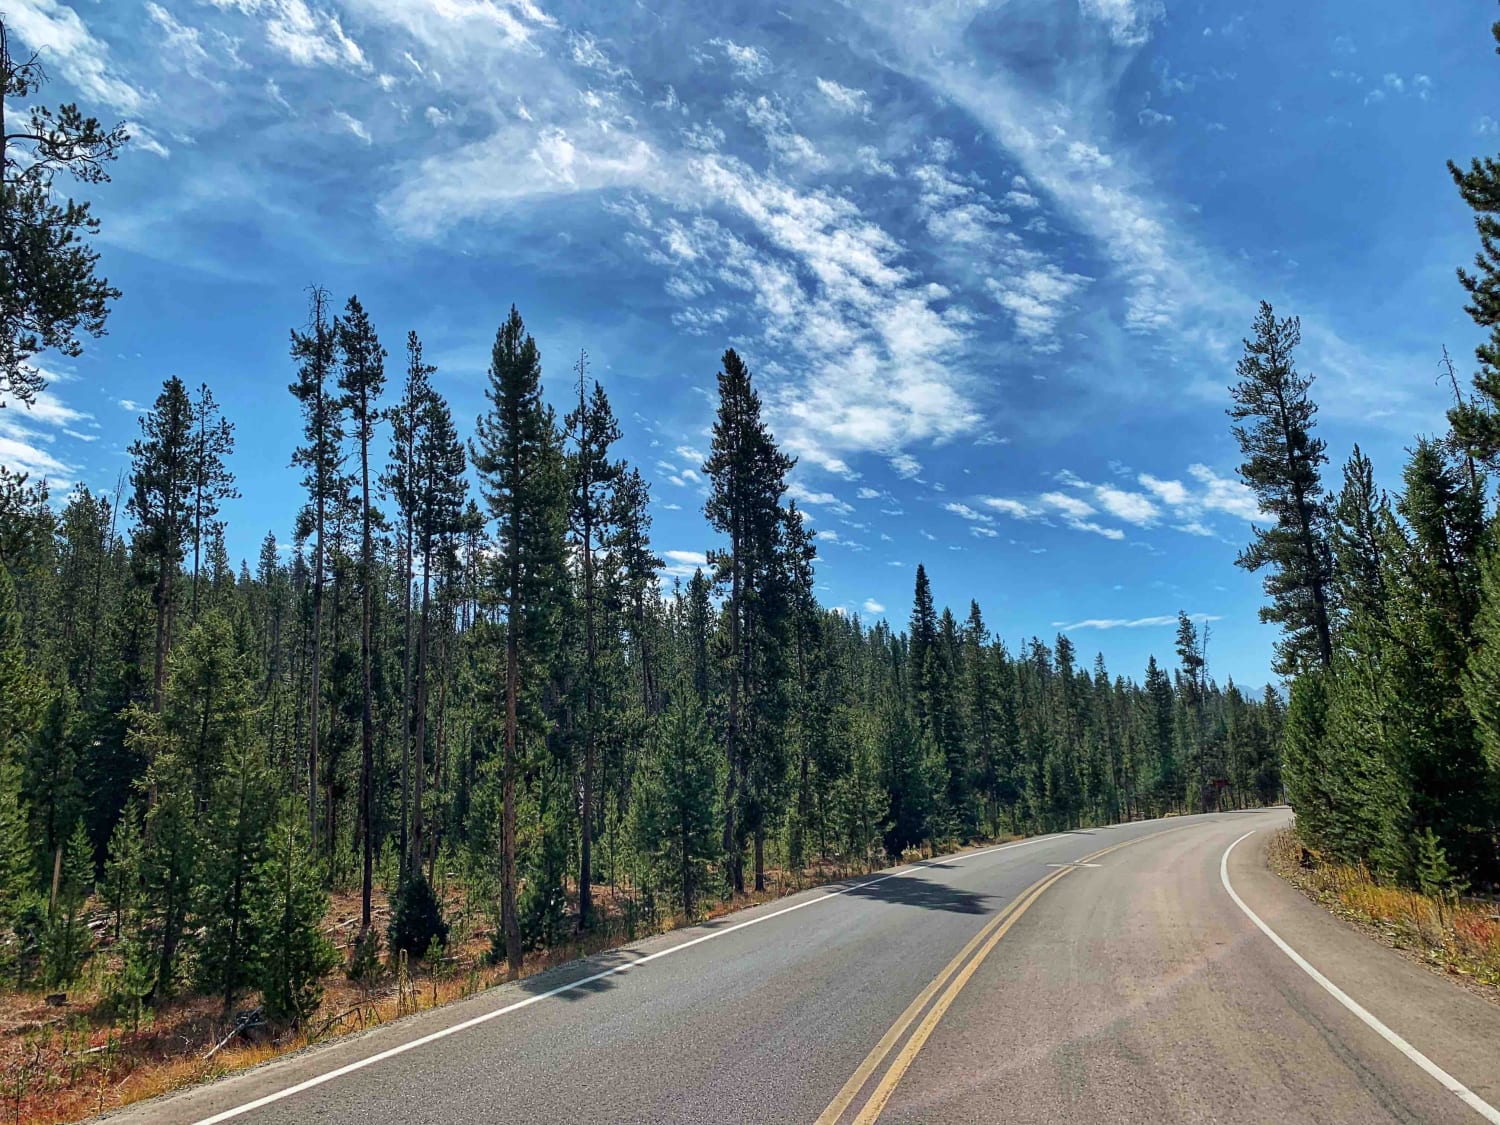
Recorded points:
(417, 917)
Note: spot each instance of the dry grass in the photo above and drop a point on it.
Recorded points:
(1459, 936)
(63, 1064)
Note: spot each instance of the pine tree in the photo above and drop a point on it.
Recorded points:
(212, 482)
(293, 954)
(170, 869)
(517, 455)
(322, 462)
(50, 781)
(1476, 424)
(1361, 520)
(440, 520)
(1158, 704)
(162, 481)
(121, 888)
(401, 480)
(747, 479)
(1304, 766)
(17, 869)
(634, 575)
(674, 811)
(362, 378)
(592, 473)
(228, 898)
(1282, 463)
(49, 290)
(67, 944)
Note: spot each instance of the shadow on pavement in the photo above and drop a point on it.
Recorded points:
(580, 971)
(912, 890)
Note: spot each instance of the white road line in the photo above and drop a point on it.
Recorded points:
(1469, 1098)
(443, 1033)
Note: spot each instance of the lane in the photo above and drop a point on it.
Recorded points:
(762, 1021)
(1139, 992)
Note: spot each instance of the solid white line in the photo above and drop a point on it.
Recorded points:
(1471, 1099)
(443, 1033)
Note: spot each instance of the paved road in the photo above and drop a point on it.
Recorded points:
(1105, 975)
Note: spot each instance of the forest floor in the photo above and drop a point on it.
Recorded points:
(1459, 938)
(64, 1062)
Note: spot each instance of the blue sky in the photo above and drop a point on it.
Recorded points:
(991, 262)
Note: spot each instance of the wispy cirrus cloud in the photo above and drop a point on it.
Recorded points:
(1156, 622)
(71, 47)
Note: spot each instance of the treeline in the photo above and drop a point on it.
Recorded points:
(1390, 605)
(433, 683)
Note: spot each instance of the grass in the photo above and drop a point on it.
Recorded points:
(1455, 935)
(64, 1064)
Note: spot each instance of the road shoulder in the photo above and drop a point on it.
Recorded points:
(1439, 1017)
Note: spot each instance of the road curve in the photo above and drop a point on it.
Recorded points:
(1100, 975)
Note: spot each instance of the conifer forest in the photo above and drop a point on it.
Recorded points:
(465, 676)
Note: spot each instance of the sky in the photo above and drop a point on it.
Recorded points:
(990, 262)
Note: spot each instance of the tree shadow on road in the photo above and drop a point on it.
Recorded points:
(913, 890)
(574, 976)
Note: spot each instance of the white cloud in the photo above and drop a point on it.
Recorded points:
(872, 606)
(353, 125)
(26, 436)
(844, 98)
(1037, 299)
(748, 62)
(1128, 22)
(1135, 622)
(1213, 494)
(905, 465)
(1070, 506)
(1016, 509)
(1171, 492)
(966, 512)
(1131, 507)
(983, 532)
(772, 122)
(142, 138)
(798, 491)
(306, 36)
(64, 41)
(1223, 494)
(687, 558)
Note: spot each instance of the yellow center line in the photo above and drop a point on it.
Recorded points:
(960, 973)
(877, 1055)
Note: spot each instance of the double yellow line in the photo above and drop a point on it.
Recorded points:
(955, 975)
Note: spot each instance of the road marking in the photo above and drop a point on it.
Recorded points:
(861, 1075)
(445, 1032)
(990, 935)
(1467, 1096)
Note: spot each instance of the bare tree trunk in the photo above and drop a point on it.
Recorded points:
(366, 716)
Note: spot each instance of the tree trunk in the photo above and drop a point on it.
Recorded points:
(419, 723)
(366, 717)
(509, 920)
(316, 694)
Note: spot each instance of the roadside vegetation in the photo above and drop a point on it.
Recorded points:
(1389, 607)
(70, 1057)
(1458, 934)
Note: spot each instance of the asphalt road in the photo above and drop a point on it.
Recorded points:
(1103, 975)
